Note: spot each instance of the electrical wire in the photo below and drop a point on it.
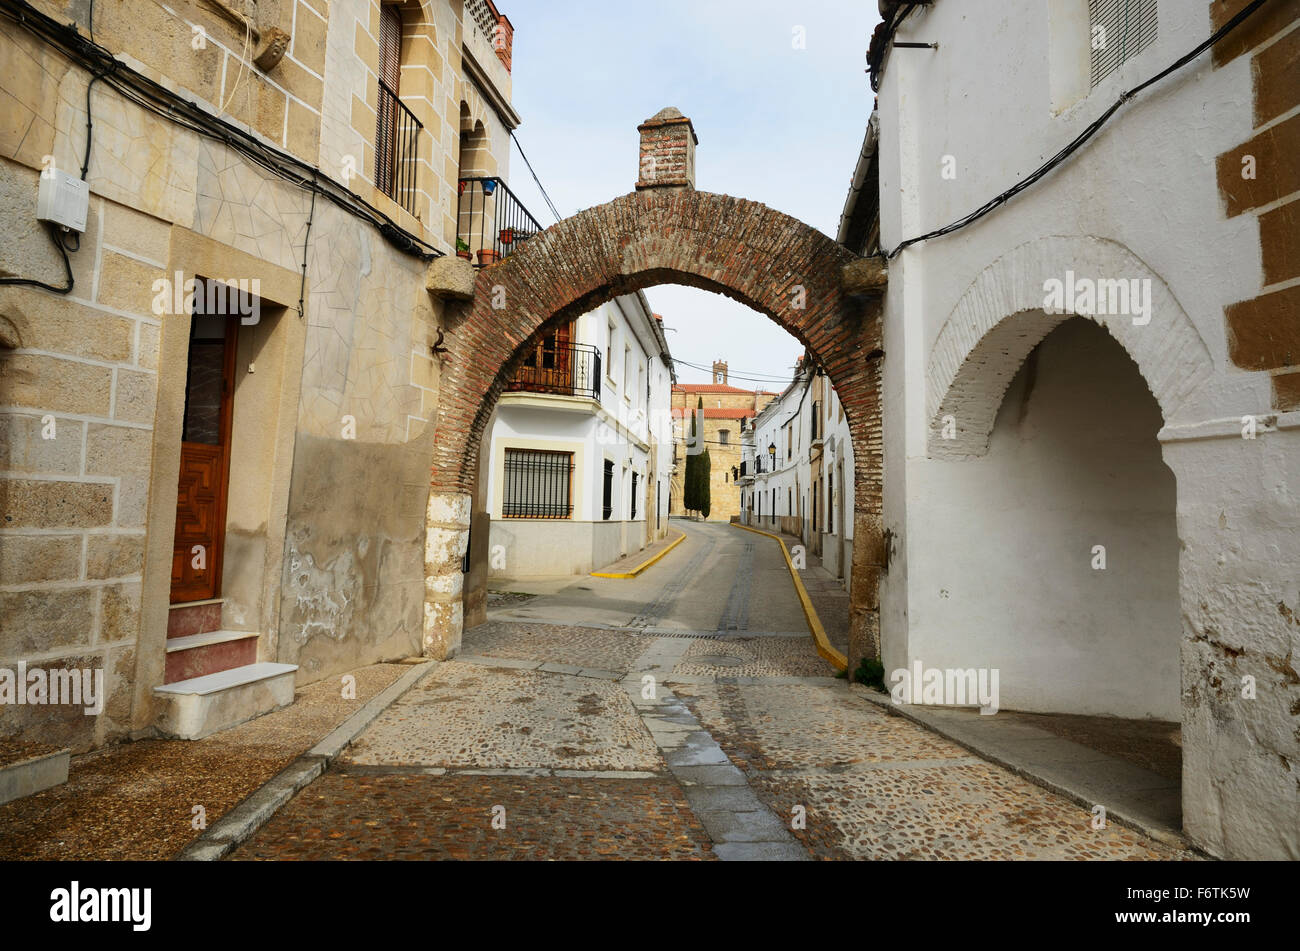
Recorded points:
(758, 377)
(157, 99)
(306, 244)
(545, 197)
(67, 266)
(1078, 141)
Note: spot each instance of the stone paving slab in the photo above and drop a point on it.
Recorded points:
(808, 725)
(972, 812)
(604, 649)
(759, 657)
(416, 817)
(1150, 802)
(870, 788)
(466, 716)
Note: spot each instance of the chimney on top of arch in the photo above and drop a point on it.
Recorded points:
(668, 143)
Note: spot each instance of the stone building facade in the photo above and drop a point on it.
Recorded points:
(728, 413)
(310, 153)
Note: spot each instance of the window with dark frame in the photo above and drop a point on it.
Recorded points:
(634, 477)
(538, 483)
(607, 495)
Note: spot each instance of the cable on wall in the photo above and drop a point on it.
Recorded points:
(188, 114)
(1078, 140)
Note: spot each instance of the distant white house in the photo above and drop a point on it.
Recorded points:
(797, 469)
(581, 446)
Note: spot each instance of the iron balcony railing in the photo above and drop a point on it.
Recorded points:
(567, 369)
(397, 149)
(491, 220)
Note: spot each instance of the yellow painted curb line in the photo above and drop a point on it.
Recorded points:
(824, 648)
(681, 537)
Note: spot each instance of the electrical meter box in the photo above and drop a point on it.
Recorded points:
(63, 199)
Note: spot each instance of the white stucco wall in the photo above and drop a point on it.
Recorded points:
(617, 428)
(1073, 463)
(1139, 201)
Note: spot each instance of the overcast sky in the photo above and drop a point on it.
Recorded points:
(776, 124)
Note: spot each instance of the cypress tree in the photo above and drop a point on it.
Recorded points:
(705, 491)
(690, 482)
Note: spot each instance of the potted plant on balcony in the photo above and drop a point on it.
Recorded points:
(489, 185)
(507, 235)
(462, 250)
(487, 256)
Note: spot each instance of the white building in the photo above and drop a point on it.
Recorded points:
(798, 470)
(1091, 421)
(581, 446)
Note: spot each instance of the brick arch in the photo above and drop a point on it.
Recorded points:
(743, 249)
(1000, 319)
(735, 247)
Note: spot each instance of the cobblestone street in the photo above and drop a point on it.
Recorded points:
(545, 740)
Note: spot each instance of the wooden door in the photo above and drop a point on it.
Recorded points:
(205, 460)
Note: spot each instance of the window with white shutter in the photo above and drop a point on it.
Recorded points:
(1120, 30)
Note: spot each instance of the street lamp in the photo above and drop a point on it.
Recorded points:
(771, 451)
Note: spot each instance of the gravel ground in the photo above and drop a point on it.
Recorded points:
(451, 817)
(136, 800)
(15, 751)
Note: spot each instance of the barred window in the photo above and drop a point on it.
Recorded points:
(1120, 30)
(538, 484)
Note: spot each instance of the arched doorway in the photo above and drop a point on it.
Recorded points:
(1052, 545)
(768, 261)
(1061, 560)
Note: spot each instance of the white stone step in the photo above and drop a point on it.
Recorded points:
(195, 708)
(227, 679)
(191, 641)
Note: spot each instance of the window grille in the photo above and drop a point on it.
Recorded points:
(634, 475)
(1120, 29)
(538, 484)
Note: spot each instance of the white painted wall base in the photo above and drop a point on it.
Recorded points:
(548, 548)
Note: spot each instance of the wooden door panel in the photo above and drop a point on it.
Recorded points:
(198, 505)
(204, 469)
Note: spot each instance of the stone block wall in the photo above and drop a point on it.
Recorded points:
(78, 384)
(1260, 178)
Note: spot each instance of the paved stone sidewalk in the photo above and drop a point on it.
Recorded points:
(872, 786)
(708, 759)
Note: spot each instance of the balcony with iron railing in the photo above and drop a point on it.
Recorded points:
(397, 149)
(563, 370)
(491, 220)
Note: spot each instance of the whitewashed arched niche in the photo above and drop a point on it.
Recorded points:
(1001, 317)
